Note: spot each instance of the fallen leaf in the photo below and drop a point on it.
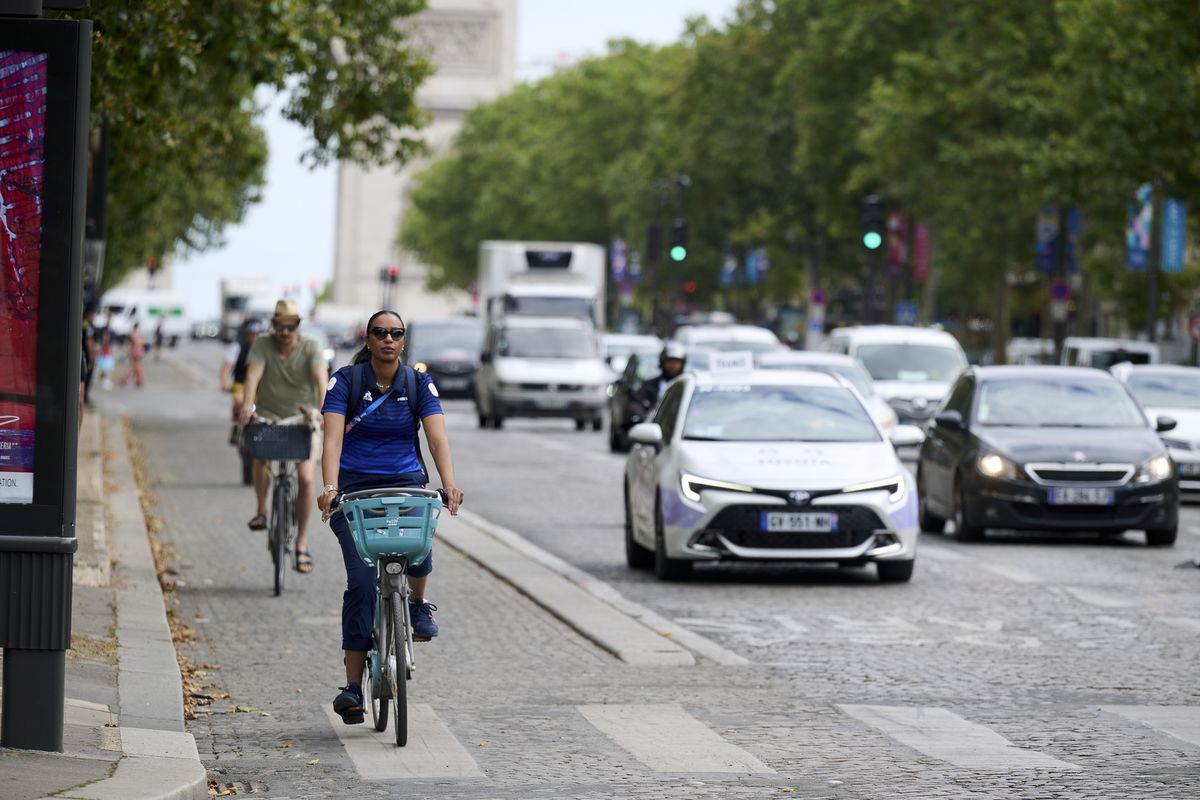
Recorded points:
(244, 709)
(314, 762)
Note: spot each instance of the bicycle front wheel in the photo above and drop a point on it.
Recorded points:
(399, 639)
(281, 517)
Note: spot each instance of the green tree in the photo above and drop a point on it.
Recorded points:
(176, 80)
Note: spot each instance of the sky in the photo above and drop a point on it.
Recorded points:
(289, 236)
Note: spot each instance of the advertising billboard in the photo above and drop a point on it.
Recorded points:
(22, 158)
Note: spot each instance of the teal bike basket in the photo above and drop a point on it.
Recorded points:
(392, 526)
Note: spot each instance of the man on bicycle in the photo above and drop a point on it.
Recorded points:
(285, 372)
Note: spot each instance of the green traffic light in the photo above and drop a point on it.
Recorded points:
(678, 253)
(872, 240)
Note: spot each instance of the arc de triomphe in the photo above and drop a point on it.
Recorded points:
(473, 44)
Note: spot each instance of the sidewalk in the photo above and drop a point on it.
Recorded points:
(123, 734)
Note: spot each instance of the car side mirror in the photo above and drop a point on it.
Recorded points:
(485, 357)
(1164, 424)
(906, 436)
(951, 420)
(647, 433)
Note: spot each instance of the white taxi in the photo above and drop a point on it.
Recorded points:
(768, 466)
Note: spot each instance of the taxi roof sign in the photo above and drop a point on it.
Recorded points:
(731, 362)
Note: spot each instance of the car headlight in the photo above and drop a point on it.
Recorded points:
(996, 466)
(896, 487)
(1154, 470)
(692, 486)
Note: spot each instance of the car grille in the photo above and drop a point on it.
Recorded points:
(1089, 474)
(741, 526)
(551, 387)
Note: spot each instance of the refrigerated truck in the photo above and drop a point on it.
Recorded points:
(121, 308)
(542, 279)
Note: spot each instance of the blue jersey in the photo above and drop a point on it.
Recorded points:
(382, 443)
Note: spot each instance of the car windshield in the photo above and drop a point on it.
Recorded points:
(1166, 391)
(548, 306)
(547, 343)
(427, 341)
(855, 375)
(1057, 402)
(1105, 359)
(762, 413)
(916, 363)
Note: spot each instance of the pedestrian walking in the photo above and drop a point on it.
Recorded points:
(372, 441)
(159, 338)
(137, 354)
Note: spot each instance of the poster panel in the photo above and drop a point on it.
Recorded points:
(22, 160)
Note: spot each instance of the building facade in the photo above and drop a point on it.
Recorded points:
(473, 47)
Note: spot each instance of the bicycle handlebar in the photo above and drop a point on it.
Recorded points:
(364, 494)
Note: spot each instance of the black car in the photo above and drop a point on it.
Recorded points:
(448, 350)
(621, 416)
(1046, 448)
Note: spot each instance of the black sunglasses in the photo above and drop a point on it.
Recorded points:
(383, 333)
(287, 328)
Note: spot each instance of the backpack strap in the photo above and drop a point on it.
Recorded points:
(410, 386)
(358, 376)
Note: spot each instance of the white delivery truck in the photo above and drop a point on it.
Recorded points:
(542, 279)
(121, 308)
(239, 295)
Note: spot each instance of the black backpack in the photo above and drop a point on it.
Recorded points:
(358, 379)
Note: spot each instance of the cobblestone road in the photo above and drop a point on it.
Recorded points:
(1026, 667)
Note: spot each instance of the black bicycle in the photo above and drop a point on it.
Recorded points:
(284, 443)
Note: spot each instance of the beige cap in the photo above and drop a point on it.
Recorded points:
(287, 309)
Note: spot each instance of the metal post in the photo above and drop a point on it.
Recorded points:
(32, 716)
(1152, 270)
(1060, 271)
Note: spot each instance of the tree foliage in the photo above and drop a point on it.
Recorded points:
(176, 80)
(969, 116)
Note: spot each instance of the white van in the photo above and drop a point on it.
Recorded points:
(913, 368)
(1086, 351)
(541, 367)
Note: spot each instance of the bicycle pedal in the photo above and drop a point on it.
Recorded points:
(422, 638)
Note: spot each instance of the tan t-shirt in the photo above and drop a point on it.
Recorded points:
(286, 383)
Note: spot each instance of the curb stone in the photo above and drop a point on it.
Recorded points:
(632, 632)
(159, 760)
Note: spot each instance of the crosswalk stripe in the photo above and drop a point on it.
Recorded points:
(944, 735)
(1098, 599)
(431, 752)
(1182, 722)
(667, 739)
(1183, 623)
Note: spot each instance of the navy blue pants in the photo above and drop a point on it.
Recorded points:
(358, 601)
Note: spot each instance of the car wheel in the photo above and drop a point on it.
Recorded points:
(636, 556)
(667, 569)
(895, 571)
(580, 424)
(497, 421)
(963, 531)
(597, 424)
(929, 522)
(614, 443)
(1163, 537)
(483, 420)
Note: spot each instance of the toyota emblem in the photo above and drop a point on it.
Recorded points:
(799, 498)
(1079, 456)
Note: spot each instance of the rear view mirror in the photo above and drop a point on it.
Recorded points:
(1164, 424)
(646, 433)
(906, 436)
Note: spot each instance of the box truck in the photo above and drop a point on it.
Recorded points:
(542, 279)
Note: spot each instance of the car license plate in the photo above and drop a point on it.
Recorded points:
(450, 384)
(799, 522)
(550, 403)
(1081, 496)
(1189, 470)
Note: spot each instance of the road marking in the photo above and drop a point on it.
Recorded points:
(431, 752)
(1015, 574)
(667, 739)
(1182, 722)
(941, 734)
(943, 555)
(1183, 623)
(1098, 599)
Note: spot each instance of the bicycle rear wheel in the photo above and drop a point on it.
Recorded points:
(281, 514)
(399, 637)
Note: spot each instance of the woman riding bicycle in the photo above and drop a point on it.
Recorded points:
(370, 445)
